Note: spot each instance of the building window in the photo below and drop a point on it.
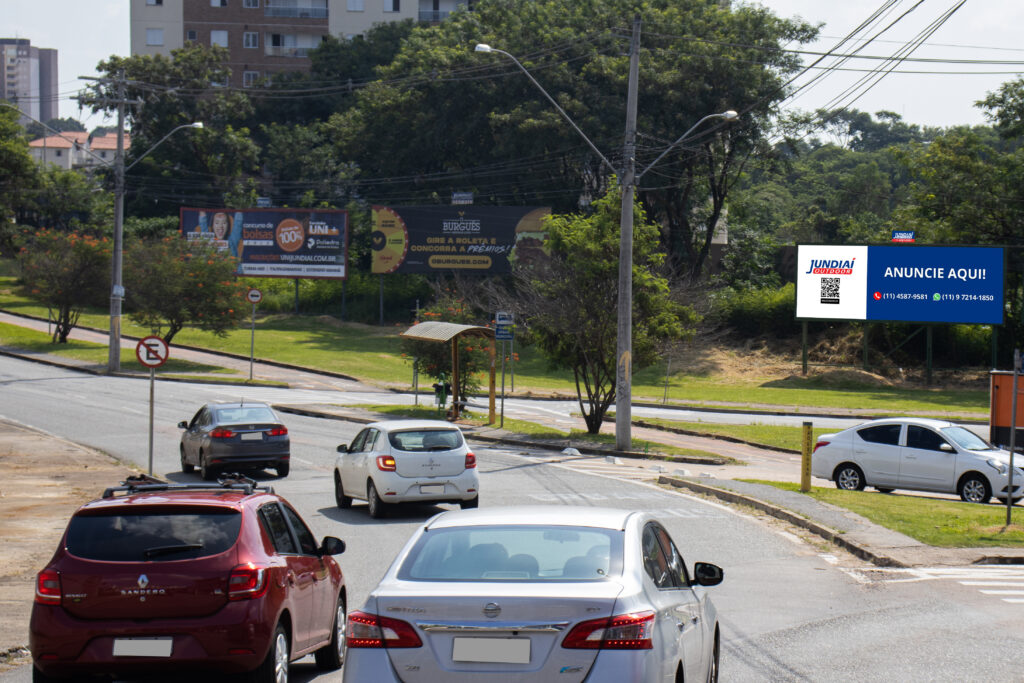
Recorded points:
(219, 38)
(249, 78)
(391, 6)
(250, 39)
(56, 152)
(154, 36)
(154, 2)
(218, 3)
(191, 35)
(251, 4)
(355, 5)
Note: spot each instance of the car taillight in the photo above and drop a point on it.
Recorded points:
(279, 430)
(221, 433)
(370, 630)
(48, 587)
(819, 445)
(621, 632)
(470, 461)
(247, 581)
(385, 463)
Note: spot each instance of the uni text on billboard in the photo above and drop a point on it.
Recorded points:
(480, 239)
(306, 243)
(905, 284)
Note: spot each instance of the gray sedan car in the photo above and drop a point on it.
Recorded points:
(223, 437)
(545, 593)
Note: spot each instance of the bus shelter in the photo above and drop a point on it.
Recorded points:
(452, 333)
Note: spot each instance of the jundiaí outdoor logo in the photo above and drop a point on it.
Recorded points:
(831, 267)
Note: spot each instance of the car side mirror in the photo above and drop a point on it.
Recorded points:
(707, 574)
(947, 448)
(183, 425)
(343, 448)
(332, 546)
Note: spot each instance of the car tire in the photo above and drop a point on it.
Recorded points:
(974, 488)
(374, 505)
(713, 666)
(283, 469)
(849, 477)
(332, 655)
(207, 472)
(274, 668)
(473, 502)
(340, 499)
(186, 466)
(883, 490)
(39, 677)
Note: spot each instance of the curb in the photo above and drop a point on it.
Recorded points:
(783, 514)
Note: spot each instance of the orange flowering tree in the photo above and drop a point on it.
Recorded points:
(435, 359)
(67, 272)
(172, 283)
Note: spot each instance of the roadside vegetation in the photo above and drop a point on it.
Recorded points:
(941, 523)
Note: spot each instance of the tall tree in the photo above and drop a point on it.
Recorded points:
(17, 172)
(570, 301)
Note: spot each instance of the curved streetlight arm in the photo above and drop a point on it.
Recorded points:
(727, 115)
(197, 124)
(482, 47)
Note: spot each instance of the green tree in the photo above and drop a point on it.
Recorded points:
(36, 130)
(66, 272)
(172, 283)
(570, 301)
(68, 200)
(17, 172)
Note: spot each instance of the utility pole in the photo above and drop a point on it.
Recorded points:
(624, 339)
(117, 285)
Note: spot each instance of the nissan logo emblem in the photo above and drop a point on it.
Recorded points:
(492, 609)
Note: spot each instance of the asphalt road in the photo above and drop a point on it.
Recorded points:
(791, 609)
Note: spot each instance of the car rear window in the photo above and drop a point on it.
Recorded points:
(153, 536)
(245, 414)
(515, 553)
(426, 440)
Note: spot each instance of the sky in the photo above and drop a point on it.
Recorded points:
(86, 32)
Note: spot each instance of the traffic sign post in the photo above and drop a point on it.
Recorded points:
(253, 296)
(152, 352)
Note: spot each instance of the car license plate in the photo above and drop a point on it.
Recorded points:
(142, 647)
(494, 650)
(432, 488)
(252, 436)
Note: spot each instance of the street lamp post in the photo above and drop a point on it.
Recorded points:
(628, 179)
(117, 285)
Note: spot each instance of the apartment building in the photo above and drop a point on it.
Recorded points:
(28, 78)
(265, 37)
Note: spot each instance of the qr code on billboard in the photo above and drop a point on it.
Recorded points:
(830, 290)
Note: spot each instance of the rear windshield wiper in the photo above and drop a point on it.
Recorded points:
(170, 549)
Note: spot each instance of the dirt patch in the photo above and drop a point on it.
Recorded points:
(43, 479)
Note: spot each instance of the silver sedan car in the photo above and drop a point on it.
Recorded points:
(544, 593)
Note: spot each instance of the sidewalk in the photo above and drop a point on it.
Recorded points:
(864, 539)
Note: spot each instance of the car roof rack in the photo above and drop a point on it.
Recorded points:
(143, 483)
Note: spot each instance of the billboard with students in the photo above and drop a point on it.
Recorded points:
(307, 243)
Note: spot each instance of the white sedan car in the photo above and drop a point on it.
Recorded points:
(401, 461)
(543, 594)
(917, 454)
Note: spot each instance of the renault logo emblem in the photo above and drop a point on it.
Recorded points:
(143, 580)
(492, 609)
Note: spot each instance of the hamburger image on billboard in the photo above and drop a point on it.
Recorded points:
(530, 237)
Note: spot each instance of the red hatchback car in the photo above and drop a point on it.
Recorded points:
(158, 578)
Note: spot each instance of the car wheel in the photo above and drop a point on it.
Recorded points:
(974, 488)
(849, 478)
(205, 470)
(274, 668)
(373, 502)
(883, 490)
(186, 466)
(713, 666)
(342, 501)
(283, 469)
(471, 503)
(331, 656)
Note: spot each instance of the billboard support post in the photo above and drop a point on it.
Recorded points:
(803, 345)
(928, 347)
(1013, 435)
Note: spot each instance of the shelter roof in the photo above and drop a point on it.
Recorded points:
(437, 331)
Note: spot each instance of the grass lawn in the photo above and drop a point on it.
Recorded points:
(941, 523)
(768, 435)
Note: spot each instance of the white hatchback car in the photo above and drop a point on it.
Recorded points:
(401, 461)
(917, 454)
